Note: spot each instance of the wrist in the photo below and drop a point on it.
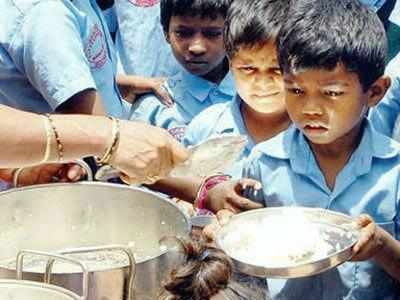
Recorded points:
(202, 201)
(101, 137)
(384, 239)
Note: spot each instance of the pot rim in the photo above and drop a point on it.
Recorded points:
(103, 184)
(40, 285)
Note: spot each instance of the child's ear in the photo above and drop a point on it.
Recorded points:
(377, 90)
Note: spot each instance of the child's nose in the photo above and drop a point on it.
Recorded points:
(312, 106)
(197, 47)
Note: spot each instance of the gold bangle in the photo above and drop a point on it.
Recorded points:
(60, 147)
(114, 143)
(47, 127)
(16, 174)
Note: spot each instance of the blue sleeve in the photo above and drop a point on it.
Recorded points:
(195, 131)
(146, 109)
(149, 109)
(204, 125)
(53, 56)
(251, 169)
(383, 117)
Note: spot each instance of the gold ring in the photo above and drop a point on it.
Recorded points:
(152, 178)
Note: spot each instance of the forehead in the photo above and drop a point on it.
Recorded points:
(260, 53)
(197, 21)
(323, 76)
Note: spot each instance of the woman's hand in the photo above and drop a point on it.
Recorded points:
(50, 173)
(146, 153)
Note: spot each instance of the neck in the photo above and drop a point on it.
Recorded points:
(333, 157)
(263, 126)
(218, 73)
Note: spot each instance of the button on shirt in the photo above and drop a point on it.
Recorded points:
(369, 183)
(51, 50)
(140, 42)
(192, 95)
(224, 118)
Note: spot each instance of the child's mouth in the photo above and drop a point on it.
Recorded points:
(315, 129)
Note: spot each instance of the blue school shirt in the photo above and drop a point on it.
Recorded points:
(221, 119)
(51, 50)
(369, 183)
(385, 114)
(192, 95)
(140, 41)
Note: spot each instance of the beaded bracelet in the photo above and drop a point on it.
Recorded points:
(60, 146)
(207, 184)
(114, 143)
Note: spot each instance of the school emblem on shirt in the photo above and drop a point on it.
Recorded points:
(95, 49)
(144, 3)
(177, 132)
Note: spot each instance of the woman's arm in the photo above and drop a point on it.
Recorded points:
(142, 150)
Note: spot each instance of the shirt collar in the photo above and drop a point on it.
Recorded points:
(292, 144)
(237, 119)
(200, 88)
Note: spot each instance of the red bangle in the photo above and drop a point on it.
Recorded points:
(207, 184)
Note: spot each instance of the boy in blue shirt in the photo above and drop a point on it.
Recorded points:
(194, 30)
(332, 157)
(258, 110)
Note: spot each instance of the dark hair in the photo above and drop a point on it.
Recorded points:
(204, 8)
(206, 272)
(323, 33)
(252, 22)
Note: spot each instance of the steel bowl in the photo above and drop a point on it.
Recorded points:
(336, 229)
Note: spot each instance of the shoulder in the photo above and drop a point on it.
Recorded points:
(213, 113)
(383, 146)
(207, 123)
(146, 105)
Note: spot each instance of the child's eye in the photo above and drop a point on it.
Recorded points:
(211, 34)
(247, 69)
(183, 33)
(334, 93)
(277, 71)
(295, 91)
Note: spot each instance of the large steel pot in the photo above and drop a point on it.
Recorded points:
(56, 217)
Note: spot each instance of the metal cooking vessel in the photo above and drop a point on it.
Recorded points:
(29, 290)
(92, 217)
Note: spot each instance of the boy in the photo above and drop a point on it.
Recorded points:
(332, 157)
(194, 30)
(258, 110)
